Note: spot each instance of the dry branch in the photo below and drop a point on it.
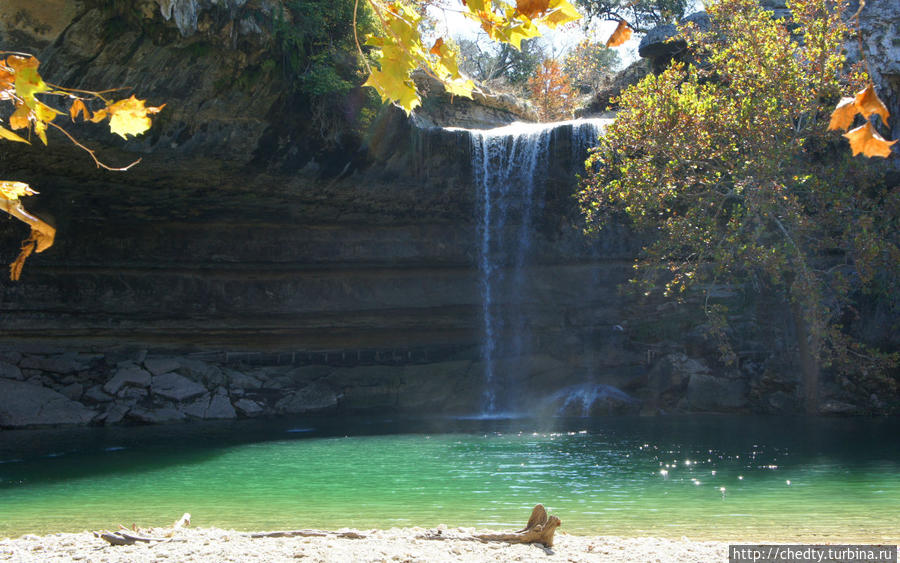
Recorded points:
(308, 534)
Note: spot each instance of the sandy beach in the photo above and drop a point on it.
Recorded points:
(394, 545)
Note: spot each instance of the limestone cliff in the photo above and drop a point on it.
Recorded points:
(268, 256)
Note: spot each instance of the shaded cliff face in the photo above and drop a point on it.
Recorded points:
(266, 257)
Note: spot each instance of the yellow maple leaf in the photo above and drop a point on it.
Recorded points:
(14, 190)
(10, 136)
(866, 141)
(562, 12)
(28, 81)
(128, 116)
(620, 35)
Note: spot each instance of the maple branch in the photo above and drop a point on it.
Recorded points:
(92, 152)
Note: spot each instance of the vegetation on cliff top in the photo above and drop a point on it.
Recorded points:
(726, 164)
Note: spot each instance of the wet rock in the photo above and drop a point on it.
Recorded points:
(155, 416)
(248, 407)
(25, 404)
(9, 371)
(312, 398)
(715, 394)
(73, 391)
(159, 366)
(237, 379)
(220, 407)
(65, 363)
(10, 356)
(129, 375)
(834, 407)
(136, 393)
(175, 387)
(198, 408)
(116, 413)
(591, 400)
(97, 395)
(209, 374)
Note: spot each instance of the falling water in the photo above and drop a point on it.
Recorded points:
(510, 167)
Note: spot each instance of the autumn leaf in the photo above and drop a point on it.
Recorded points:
(10, 136)
(436, 48)
(868, 103)
(127, 117)
(843, 115)
(866, 141)
(79, 107)
(20, 118)
(620, 35)
(14, 190)
(28, 82)
(532, 8)
(562, 12)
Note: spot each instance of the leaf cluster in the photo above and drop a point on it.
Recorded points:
(722, 166)
(21, 85)
(400, 48)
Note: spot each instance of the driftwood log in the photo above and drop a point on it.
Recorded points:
(540, 529)
(124, 536)
(309, 534)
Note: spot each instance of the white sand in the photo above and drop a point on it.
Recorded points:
(396, 545)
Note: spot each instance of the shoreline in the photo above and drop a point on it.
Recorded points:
(396, 544)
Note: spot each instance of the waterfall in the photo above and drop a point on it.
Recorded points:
(510, 167)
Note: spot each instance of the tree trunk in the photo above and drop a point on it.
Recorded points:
(809, 364)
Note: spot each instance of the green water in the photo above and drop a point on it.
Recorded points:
(601, 476)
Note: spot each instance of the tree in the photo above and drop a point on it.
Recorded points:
(588, 63)
(640, 15)
(488, 62)
(20, 85)
(550, 92)
(727, 167)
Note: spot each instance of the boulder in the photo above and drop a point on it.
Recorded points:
(159, 366)
(175, 387)
(220, 407)
(9, 371)
(129, 375)
(73, 391)
(314, 397)
(248, 407)
(96, 394)
(237, 379)
(591, 400)
(197, 408)
(715, 394)
(25, 404)
(116, 413)
(662, 43)
(155, 416)
(63, 364)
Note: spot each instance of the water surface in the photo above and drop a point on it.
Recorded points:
(702, 477)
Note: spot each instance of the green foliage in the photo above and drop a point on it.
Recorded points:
(728, 168)
(588, 63)
(316, 47)
(641, 15)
